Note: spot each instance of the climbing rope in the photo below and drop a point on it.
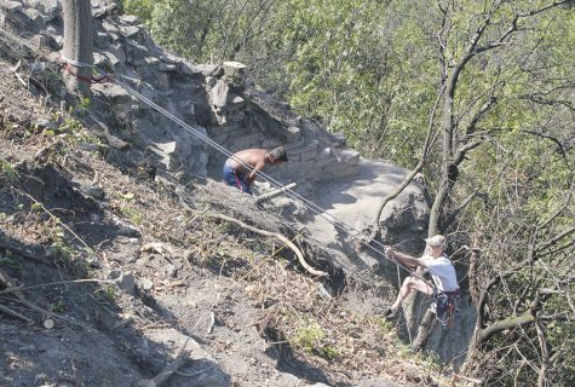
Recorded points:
(402, 302)
(338, 223)
(335, 221)
(67, 66)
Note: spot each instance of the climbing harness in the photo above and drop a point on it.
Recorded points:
(445, 307)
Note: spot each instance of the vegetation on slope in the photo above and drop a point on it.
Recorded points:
(493, 81)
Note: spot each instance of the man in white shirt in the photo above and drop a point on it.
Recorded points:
(439, 266)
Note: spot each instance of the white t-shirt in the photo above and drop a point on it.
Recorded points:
(442, 272)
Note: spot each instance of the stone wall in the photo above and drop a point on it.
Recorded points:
(216, 100)
(248, 117)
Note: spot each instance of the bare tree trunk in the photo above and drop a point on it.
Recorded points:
(425, 328)
(78, 45)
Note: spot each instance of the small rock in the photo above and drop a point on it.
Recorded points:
(146, 284)
(88, 146)
(132, 241)
(41, 379)
(131, 31)
(129, 19)
(93, 263)
(125, 229)
(125, 281)
(323, 293)
(114, 274)
(43, 124)
(37, 67)
(171, 271)
(95, 192)
(339, 139)
(167, 67)
(48, 323)
(12, 6)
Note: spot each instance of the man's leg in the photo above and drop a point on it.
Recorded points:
(243, 182)
(408, 284)
(230, 177)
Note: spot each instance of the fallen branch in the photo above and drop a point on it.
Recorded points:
(167, 372)
(15, 71)
(458, 377)
(275, 252)
(14, 290)
(282, 238)
(274, 193)
(21, 249)
(12, 313)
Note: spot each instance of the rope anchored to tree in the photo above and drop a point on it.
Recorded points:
(67, 66)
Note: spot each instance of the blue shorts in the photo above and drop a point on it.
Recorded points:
(236, 179)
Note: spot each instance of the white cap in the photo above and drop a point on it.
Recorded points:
(436, 241)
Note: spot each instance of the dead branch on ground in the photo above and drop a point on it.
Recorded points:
(20, 249)
(274, 193)
(282, 238)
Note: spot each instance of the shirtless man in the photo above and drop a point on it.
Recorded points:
(241, 168)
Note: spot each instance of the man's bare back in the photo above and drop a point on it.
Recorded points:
(253, 158)
(241, 168)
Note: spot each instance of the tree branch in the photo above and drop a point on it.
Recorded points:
(282, 238)
(453, 214)
(560, 147)
(556, 238)
(429, 140)
(511, 322)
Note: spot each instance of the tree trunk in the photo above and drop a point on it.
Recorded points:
(425, 328)
(78, 45)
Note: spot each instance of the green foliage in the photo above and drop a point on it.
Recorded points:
(141, 8)
(59, 245)
(335, 61)
(133, 214)
(8, 172)
(311, 338)
(58, 306)
(61, 251)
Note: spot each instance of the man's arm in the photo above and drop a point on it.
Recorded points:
(258, 167)
(406, 259)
